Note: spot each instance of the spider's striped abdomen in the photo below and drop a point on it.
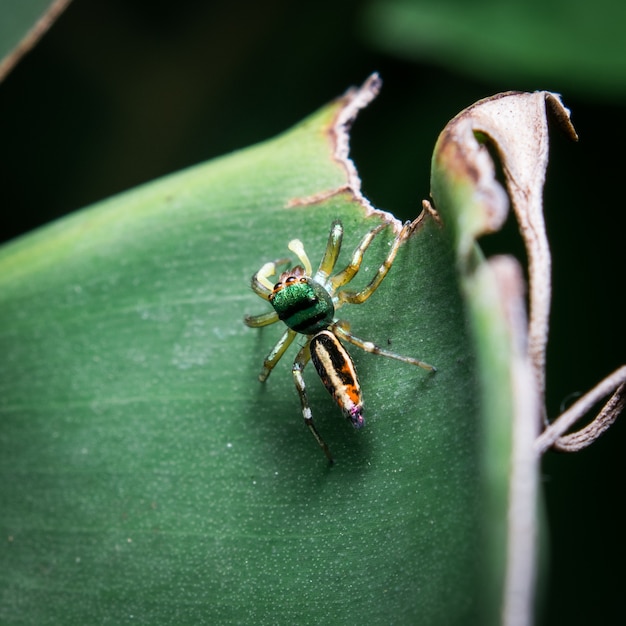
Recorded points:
(336, 370)
(302, 303)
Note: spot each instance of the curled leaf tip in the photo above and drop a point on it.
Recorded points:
(561, 114)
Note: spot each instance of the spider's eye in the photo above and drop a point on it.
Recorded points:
(290, 279)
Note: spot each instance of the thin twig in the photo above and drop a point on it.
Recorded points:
(32, 36)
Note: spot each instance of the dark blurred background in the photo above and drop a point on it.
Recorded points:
(120, 92)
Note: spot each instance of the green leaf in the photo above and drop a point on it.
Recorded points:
(148, 477)
(574, 45)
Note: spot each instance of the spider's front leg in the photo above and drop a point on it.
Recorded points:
(347, 274)
(331, 254)
(358, 297)
(299, 364)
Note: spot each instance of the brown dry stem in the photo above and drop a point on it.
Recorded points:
(38, 30)
(516, 124)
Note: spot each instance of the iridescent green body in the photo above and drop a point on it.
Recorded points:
(302, 303)
(306, 303)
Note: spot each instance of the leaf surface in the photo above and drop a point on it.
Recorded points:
(148, 477)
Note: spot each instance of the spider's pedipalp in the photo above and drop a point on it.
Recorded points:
(260, 282)
(296, 246)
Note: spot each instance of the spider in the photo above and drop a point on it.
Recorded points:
(306, 303)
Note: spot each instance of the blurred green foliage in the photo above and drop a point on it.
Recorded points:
(571, 45)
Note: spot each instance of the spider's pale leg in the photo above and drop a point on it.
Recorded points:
(331, 254)
(342, 331)
(347, 274)
(261, 284)
(277, 351)
(299, 364)
(358, 297)
(264, 319)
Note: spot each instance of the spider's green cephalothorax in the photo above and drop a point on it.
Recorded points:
(302, 303)
(306, 303)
